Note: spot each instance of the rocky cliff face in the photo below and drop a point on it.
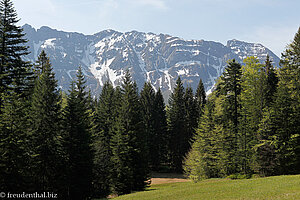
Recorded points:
(159, 59)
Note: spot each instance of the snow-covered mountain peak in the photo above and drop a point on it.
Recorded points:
(156, 58)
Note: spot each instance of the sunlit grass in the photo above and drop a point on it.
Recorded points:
(279, 187)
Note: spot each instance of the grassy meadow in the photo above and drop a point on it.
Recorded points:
(277, 187)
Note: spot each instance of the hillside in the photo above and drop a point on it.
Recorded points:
(277, 187)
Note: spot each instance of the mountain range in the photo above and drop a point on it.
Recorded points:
(156, 58)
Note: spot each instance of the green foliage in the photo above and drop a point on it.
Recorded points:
(231, 90)
(228, 139)
(45, 124)
(14, 145)
(103, 119)
(80, 147)
(290, 76)
(77, 141)
(191, 118)
(12, 68)
(265, 151)
(129, 161)
(200, 98)
(147, 100)
(154, 120)
(161, 128)
(176, 127)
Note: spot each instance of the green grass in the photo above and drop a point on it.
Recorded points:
(277, 187)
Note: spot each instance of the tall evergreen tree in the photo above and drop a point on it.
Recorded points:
(46, 131)
(161, 128)
(176, 126)
(12, 48)
(14, 148)
(78, 140)
(103, 120)
(231, 89)
(287, 106)
(263, 94)
(271, 82)
(191, 118)
(200, 97)
(129, 161)
(266, 149)
(252, 105)
(148, 113)
(207, 158)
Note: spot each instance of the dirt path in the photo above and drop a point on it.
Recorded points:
(161, 178)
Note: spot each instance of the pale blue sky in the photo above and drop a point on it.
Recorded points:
(272, 23)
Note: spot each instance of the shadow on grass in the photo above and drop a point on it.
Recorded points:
(167, 175)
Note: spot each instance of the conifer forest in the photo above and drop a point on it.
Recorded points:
(84, 147)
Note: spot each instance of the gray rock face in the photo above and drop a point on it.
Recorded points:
(159, 59)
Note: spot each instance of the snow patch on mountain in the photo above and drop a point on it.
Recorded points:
(157, 58)
(49, 43)
(102, 69)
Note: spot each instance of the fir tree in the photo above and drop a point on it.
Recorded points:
(260, 117)
(191, 118)
(77, 140)
(231, 89)
(12, 48)
(271, 82)
(129, 161)
(290, 81)
(14, 148)
(46, 131)
(103, 120)
(200, 98)
(148, 113)
(161, 128)
(176, 126)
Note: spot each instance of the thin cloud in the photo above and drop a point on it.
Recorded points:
(45, 6)
(158, 4)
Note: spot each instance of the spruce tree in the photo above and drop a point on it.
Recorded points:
(271, 82)
(14, 145)
(290, 84)
(191, 118)
(177, 127)
(16, 82)
(231, 89)
(260, 117)
(129, 161)
(46, 131)
(12, 48)
(200, 97)
(103, 120)
(161, 128)
(77, 140)
(148, 113)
